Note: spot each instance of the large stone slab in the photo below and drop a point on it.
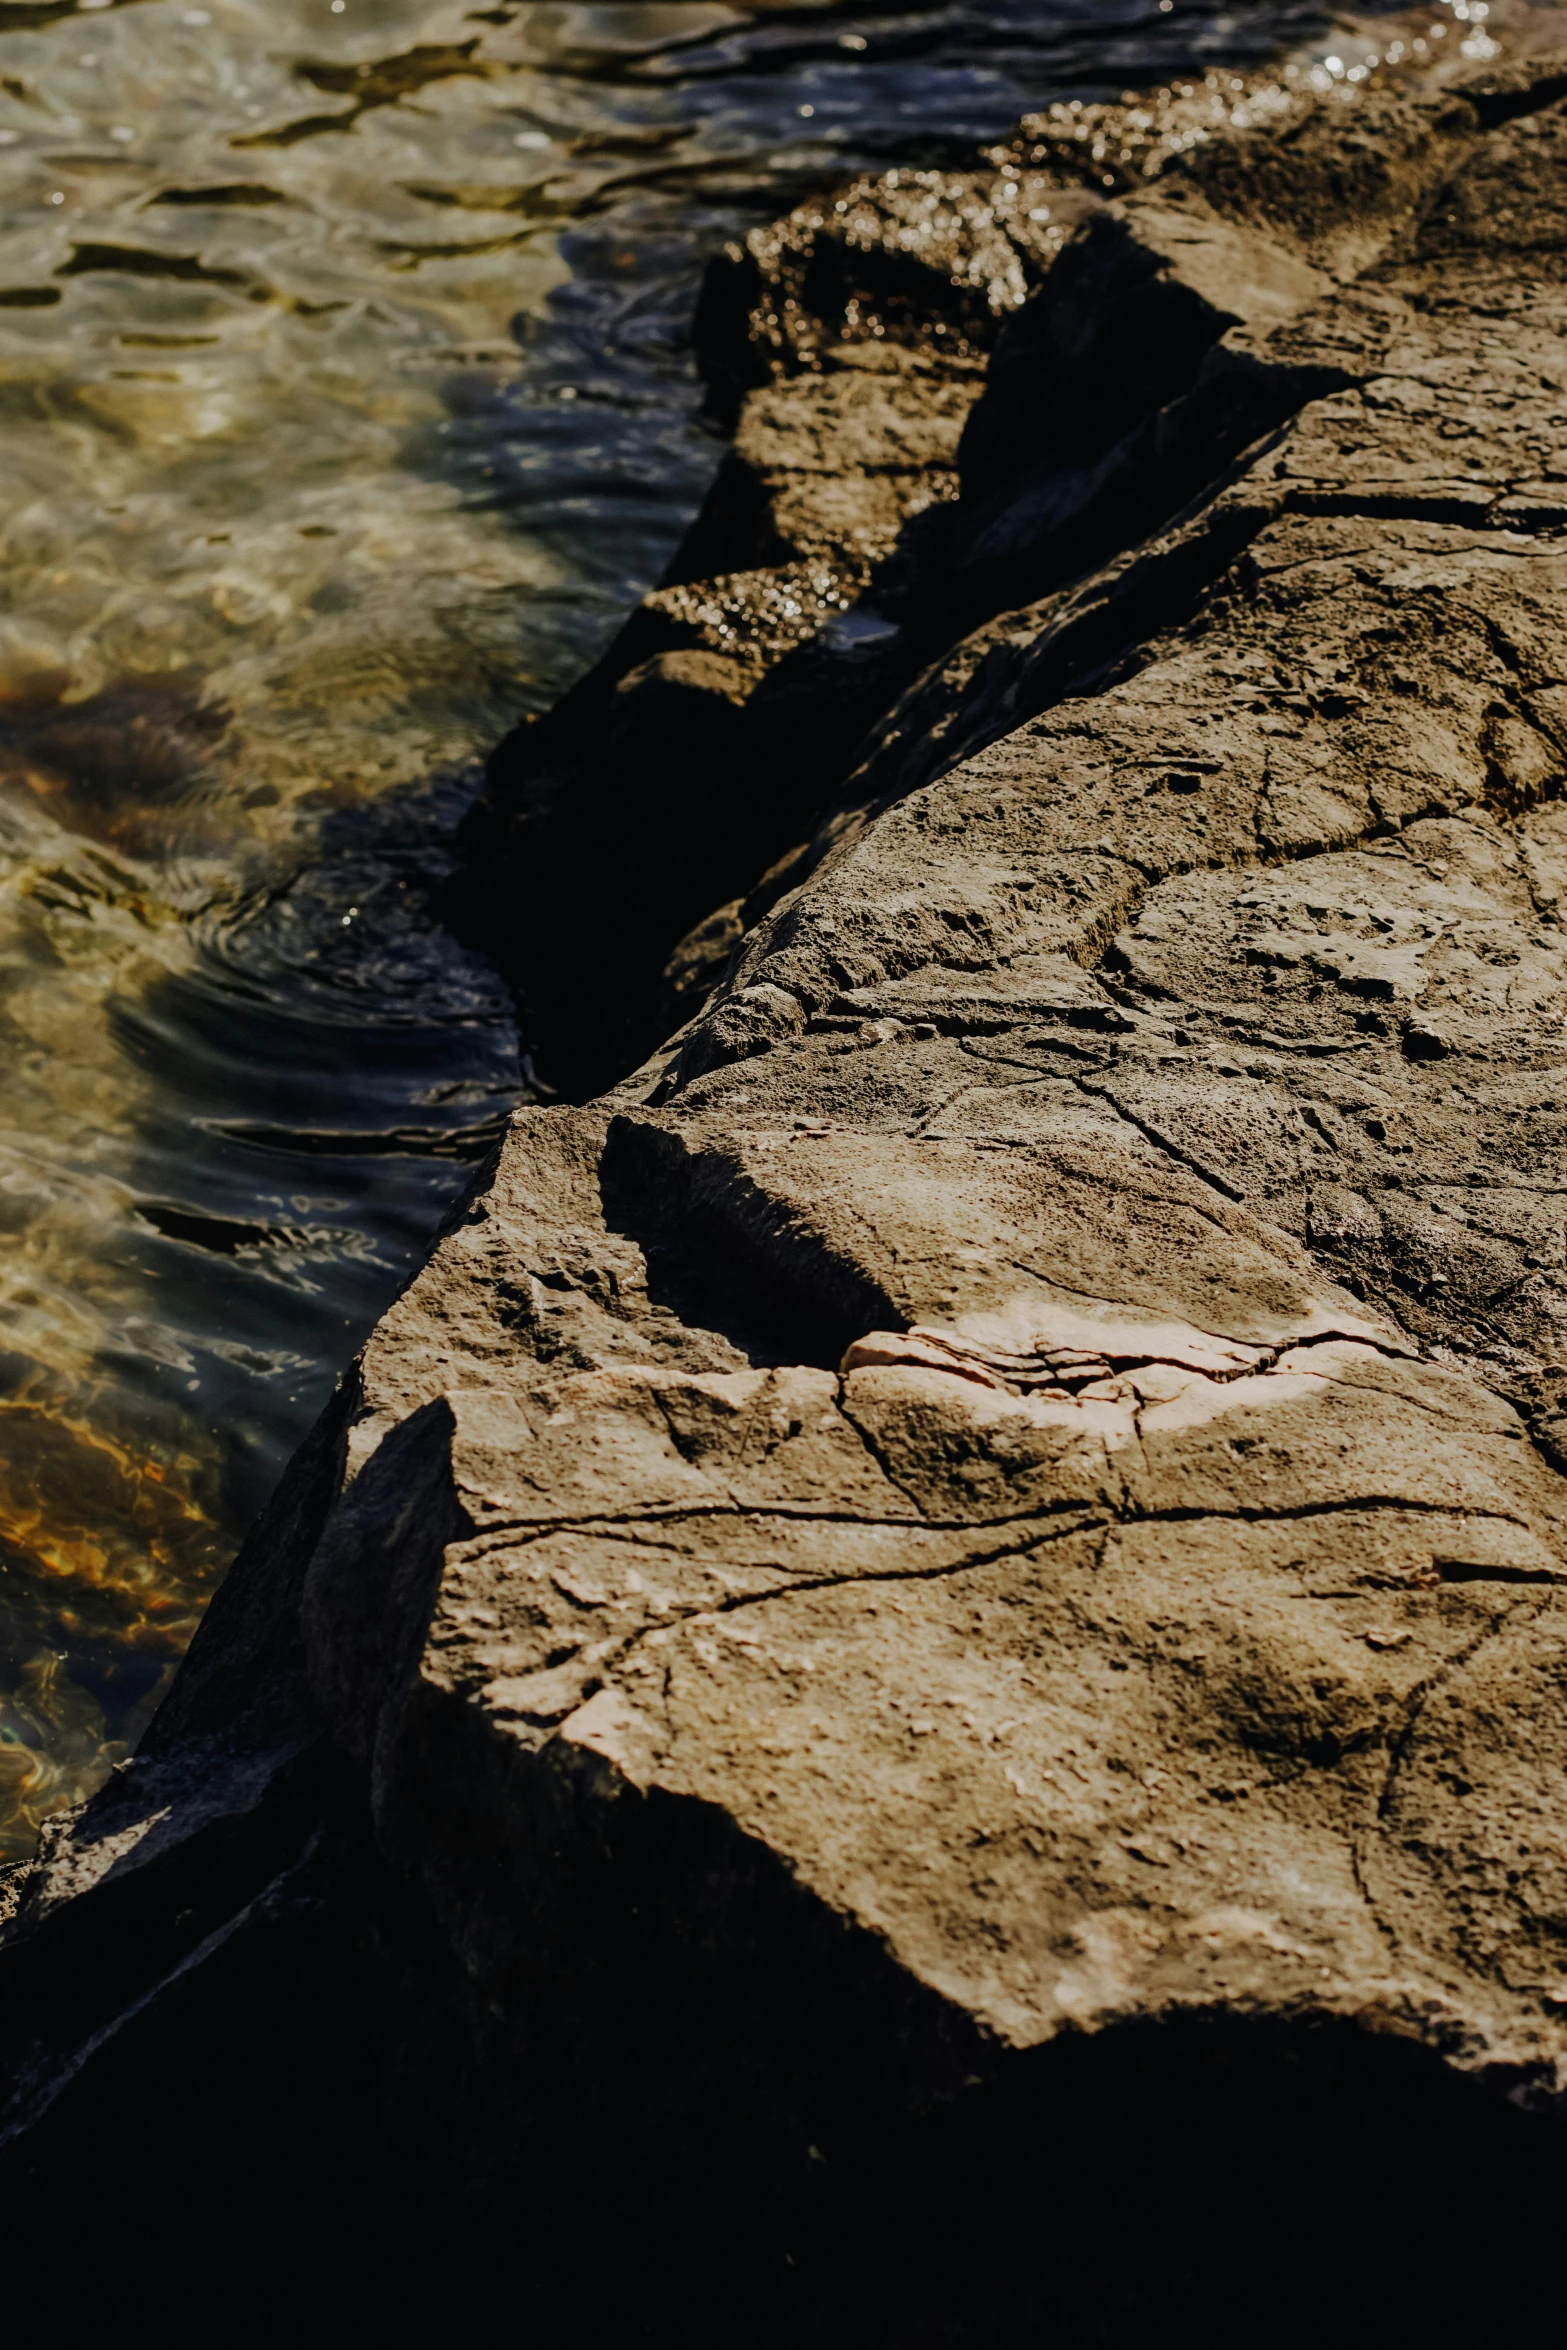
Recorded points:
(1001, 1496)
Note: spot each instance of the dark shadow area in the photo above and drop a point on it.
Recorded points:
(713, 1256)
(1200, 2181)
(1194, 2182)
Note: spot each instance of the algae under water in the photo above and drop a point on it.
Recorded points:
(345, 408)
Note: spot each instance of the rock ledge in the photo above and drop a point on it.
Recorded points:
(978, 1546)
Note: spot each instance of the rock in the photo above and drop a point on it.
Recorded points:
(969, 1567)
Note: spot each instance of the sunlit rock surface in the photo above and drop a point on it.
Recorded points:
(972, 1558)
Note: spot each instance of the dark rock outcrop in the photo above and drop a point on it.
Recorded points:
(929, 1658)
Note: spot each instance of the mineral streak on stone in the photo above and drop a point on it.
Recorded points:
(1003, 1492)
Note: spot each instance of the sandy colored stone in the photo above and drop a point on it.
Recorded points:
(1023, 1446)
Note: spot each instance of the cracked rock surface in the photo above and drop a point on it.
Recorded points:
(1004, 1490)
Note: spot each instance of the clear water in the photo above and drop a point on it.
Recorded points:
(344, 409)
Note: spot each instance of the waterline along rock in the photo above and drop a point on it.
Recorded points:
(924, 1673)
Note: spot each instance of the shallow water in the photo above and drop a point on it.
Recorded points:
(345, 410)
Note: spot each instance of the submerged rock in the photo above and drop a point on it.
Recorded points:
(963, 1575)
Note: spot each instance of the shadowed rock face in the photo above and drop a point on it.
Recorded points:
(963, 1576)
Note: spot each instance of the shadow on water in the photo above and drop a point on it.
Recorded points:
(322, 1078)
(347, 409)
(318, 1079)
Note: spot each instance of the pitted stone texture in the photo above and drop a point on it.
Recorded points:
(1101, 1688)
(1032, 1431)
(1084, 1700)
(1344, 677)
(1022, 1451)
